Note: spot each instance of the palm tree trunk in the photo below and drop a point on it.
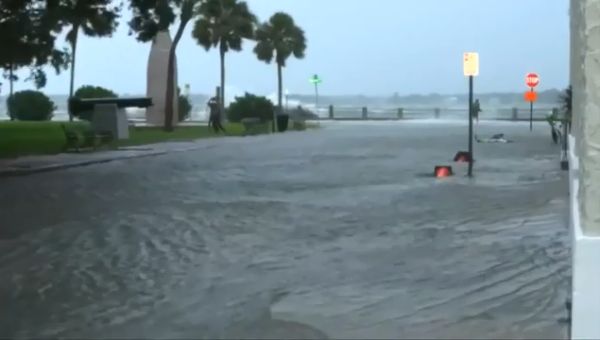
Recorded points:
(73, 54)
(222, 94)
(169, 100)
(279, 96)
(10, 86)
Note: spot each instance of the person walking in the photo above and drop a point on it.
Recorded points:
(476, 109)
(214, 118)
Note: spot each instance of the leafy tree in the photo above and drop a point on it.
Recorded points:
(566, 103)
(279, 38)
(250, 106)
(224, 24)
(185, 106)
(90, 92)
(95, 18)
(30, 105)
(28, 30)
(153, 16)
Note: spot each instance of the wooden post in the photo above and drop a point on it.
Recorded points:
(400, 113)
(364, 113)
(330, 111)
(515, 113)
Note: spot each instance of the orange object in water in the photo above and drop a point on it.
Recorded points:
(530, 96)
(443, 171)
(462, 156)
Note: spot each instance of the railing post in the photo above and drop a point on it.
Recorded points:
(400, 113)
(364, 113)
(437, 113)
(330, 111)
(515, 113)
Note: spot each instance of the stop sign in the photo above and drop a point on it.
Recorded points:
(532, 79)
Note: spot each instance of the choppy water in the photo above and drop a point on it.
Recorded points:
(336, 231)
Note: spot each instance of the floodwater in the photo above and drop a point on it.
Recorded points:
(337, 232)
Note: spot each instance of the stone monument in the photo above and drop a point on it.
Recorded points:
(156, 88)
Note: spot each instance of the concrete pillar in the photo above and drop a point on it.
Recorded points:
(364, 113)
(156, 87)
(576, 66)
(585, 181)
(588, 109)
(330, 111)
(515, 113)
(437, 113)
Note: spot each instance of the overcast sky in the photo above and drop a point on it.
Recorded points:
(375, 47)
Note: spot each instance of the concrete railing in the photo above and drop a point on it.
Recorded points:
(387, 113)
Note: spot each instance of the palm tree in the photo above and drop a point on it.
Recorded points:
(95, 18)
(224, 24)
(566, 103)
(279, 38)
(186, 14)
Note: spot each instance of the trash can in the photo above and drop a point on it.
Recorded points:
(282, 122)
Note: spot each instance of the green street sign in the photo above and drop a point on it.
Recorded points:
(315, 79)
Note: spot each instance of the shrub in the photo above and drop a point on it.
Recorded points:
(250, 106)
(30, 105)
(184, 106)
(91, 92)
(300, 113)
(298, 125)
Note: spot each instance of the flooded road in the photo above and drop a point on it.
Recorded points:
(335, 232)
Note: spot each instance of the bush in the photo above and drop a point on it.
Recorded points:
(298, 125)
(30, 105)
(250, 106)
(91, 92)
(184, 106)
(300, 113)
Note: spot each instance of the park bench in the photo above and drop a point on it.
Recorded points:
(252, 126)
(85, 139)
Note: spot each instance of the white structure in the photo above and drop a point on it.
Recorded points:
(158, 65)
(108, 117)
(584, 176)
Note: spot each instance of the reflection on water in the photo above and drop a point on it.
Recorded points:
(299, 235)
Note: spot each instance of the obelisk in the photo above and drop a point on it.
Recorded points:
(156, 88)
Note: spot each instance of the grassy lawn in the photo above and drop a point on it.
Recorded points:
(39, 138)
(28, 138)
(150, 135)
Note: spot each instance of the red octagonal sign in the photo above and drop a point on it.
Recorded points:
(532, 79)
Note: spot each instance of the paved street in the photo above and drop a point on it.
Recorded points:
(339, 231)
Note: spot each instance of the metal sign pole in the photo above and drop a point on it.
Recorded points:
(471, 126)
(531, 114)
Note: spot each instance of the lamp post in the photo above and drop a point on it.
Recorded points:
(287, 94)
(316, 81)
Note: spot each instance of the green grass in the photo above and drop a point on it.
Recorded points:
(33, 138)
(151, 135)
(39, 138)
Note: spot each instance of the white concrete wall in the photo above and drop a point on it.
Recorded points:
(584, 163)
(158, 65)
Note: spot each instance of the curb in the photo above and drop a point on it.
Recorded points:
(55, 167)
(15, 172)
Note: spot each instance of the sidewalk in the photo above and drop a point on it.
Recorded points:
(27, 165)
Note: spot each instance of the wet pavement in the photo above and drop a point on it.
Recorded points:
(337, 232)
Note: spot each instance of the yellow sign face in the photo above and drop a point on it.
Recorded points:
(471, 64)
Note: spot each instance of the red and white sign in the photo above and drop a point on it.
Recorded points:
(530, 96)
(532, 79)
